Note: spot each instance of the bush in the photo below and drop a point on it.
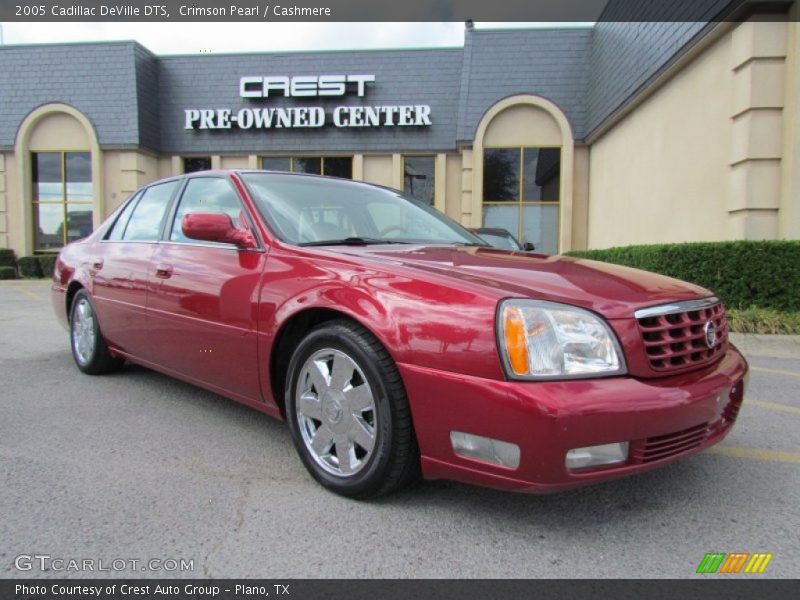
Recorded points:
(8, 258)
(29, 267)
(743, 274)
(8, 272)
(47, 263)
(764, 320)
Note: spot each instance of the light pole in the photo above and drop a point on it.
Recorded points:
(1, 34)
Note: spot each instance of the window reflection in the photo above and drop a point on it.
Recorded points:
(521, 192)
(145, 222)
(332, 166)
(308, 164)
(501, 175)
(62, 198)
(418, 178)
(196, 163)
(276, 163)
(207, 195)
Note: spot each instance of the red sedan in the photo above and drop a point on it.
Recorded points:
(396, 343)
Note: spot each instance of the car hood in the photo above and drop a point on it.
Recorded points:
(611, 290)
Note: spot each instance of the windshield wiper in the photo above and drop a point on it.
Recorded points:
(476, 244)
(353, 241)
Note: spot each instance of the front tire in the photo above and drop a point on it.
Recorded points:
(89, 349)
(348, 412)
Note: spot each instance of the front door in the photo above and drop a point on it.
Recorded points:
(203, 297)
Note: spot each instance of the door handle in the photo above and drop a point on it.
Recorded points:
(164, 271)
(97, 264)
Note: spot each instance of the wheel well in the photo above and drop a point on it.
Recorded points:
(71, 291)
(291, 334)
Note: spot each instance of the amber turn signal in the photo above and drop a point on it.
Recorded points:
(516, 343)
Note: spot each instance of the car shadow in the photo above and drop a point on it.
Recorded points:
(659, 495)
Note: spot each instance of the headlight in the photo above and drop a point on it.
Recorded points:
(546, 340)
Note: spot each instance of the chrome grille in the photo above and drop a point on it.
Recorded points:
(674, 335)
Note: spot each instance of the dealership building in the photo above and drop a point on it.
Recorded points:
(571, 138)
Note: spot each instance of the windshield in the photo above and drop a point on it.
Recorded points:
(316, 210)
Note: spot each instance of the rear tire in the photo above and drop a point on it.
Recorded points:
(348, 412)
(89, 349)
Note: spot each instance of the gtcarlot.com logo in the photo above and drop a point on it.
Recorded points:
(735, 562)
(46, 562)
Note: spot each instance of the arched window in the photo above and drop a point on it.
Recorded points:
(59, 170)
(522, 172)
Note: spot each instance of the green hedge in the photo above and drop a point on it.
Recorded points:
(8, 272)
(32, 267)
(744, 274)
(47, 263)
(8, 258)
(29, 267)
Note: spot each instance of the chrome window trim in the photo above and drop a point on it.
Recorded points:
(675, 307)
(216, 245)
(128, 241)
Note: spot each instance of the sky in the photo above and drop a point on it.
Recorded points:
(190, 38)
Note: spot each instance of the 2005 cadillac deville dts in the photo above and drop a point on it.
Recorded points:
(396, 343)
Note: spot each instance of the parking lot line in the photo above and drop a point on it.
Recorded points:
(27, 293)
(774, 406)
(756, 453)
(775, 371)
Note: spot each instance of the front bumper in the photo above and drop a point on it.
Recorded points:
(663, 419)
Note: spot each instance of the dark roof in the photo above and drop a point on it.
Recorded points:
(137, 99)
(97, 79)
(552, 63)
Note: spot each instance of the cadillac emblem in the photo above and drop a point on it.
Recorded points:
(710, 331)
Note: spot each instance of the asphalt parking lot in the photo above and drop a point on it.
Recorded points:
(139, 466)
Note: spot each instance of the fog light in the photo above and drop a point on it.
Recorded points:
(593, 456)
(485, 449)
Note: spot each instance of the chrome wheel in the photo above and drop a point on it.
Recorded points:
(84, 334)
(336, 412)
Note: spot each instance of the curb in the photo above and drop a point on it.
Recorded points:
(773, 346)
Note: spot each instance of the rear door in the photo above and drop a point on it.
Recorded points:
(120, 269)
(203, 298)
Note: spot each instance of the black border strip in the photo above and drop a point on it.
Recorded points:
(565, 11)
(738, 587)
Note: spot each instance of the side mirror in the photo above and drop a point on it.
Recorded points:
(216, 227)
(528, 247)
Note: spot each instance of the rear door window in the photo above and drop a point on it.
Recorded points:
(145, 222)
(121, 223)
